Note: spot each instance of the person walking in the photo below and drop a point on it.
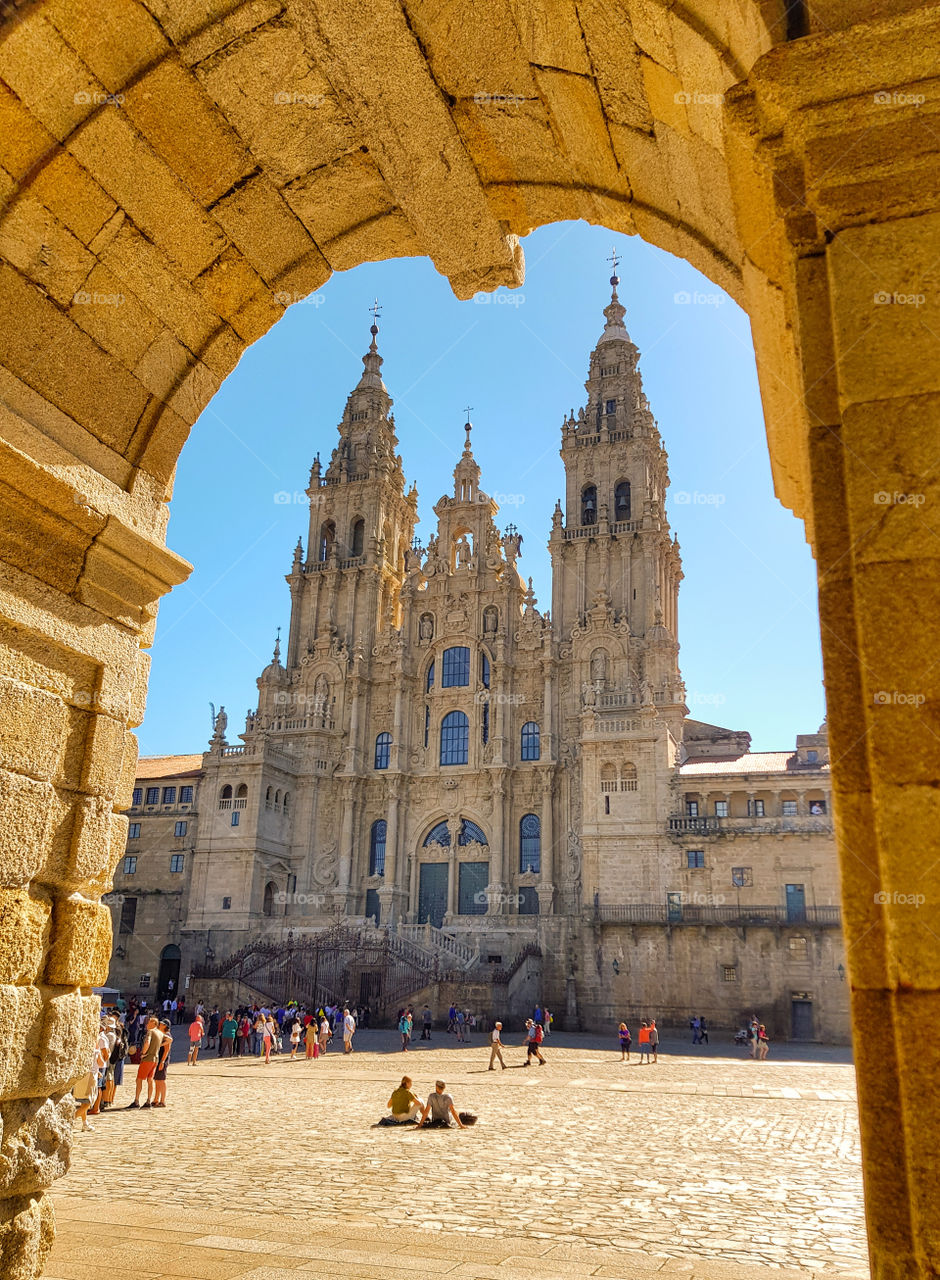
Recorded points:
(644, 1042)
(546, 1022)
(763, 1042)
(212, 1027)
(404, 1027)
(461, 1022)
(227, 1036)
(295, 1032)
(451, 1019)
(752, 1036)
(703, 1031)
(324, 1033)
(696, 1025)
(196, 1030)
(426, 1019)
(654, 1040)
(149, 1053)
(625, 1041)
(266, 1039)
(496, 1049)
(533, 1039)
(349, 1030)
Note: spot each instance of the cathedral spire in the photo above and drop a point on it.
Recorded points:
(466, 472)
(614, 312)
(372, 376)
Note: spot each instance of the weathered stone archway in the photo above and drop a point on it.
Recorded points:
(174, 173)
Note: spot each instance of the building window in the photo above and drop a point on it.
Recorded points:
(235, 816)
(180, 829)
(130, 865)
(486, 723)
(622, 501)
(798, 948)
(357, 538)
(530, 843)
(383, 750)
(790, 809)
(133, 831)
(186, 795)
(695, 859)
(427, 725)
(742, 877)
(691, 808)
(455, 668)
(817, 807)
(721, 808)
(128, 915)
(755, 808)
(377, 848)
(470, 833)
(438, 835)
(484, 670)
(812, 757)
(472, 879)
(226, 904)
(607, 804)
(176, 861)
(138, 797)
(628, 778)
(531, 747)
(169, 795)
(528, 900)
(327, 535)
(455, 738)
(225, 797)
(729, 973)
(153, 795)
(429, 683)
(589, 504)
(286, 803)
(611, 406)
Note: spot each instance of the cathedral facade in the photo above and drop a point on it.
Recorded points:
(434, 755)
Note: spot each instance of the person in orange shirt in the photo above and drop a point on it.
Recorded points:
(644, 1042)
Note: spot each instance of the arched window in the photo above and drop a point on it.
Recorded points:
(286, 803)
(327, 537)
(628, 777)
(438, 835)
(377, 848)
(485, 727)
(242, 792)
(357, 537)
(267, 907)
(484, 670)
(530, 843)
(531, 744)
(455, 668)
(427, 726)
(268, 795)
(277, 799)
(225, 797)
(383, 749)
(589, 504)
(622, 501)
(470, 833)
(455, 738)
(429, 683)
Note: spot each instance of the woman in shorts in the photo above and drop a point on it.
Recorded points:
(159, 1075)
(625, 1042)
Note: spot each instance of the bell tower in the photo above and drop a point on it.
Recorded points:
(361, 525)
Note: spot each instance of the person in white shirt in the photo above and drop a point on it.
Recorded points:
(497, 1049)
(349, 1030)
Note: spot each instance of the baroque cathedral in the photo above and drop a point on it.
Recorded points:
(434, 754)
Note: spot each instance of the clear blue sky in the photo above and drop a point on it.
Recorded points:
(748, 622)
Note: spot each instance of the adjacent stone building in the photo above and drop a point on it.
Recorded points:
(435, 754)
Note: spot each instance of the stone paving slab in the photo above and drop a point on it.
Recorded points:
(588, 1166)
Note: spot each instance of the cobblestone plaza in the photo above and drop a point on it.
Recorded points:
(713, 1167)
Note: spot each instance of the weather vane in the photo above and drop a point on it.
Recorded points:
(468, 411)
(614, 260)
(376, 311)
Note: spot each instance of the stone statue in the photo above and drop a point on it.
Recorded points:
(426, 628)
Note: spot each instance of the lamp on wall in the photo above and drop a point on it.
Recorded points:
(841, 972)
(120, 951)
(616, 966)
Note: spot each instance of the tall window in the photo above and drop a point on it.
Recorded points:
(186, 795)
(455, 738)
(327, 535)
(153, 795)
(128, 915)
(622, 501)
(179, 829)
(695, 859)
(130, 865)
(169, 795)
(427, 725)
(383, 750)
(530, 843)
(455, 668)
(133, 831)
(138, 797)
(429, 683)
(484, 670)
(486, 723)
(235, 817)
(531, 748)
(357, 538)
(589, 504)
(377, 848)
(176, 861)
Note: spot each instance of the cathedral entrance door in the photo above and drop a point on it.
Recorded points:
(432, 893)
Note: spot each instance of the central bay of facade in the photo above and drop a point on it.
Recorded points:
(516, 800)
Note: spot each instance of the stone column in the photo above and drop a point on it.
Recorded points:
(390, 894)
(839, 219)
(341, 894)
(546, 888)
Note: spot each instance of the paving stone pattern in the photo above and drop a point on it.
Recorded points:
(708, 1167)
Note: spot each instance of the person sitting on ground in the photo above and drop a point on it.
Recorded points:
(440, 1107)
(406, 1106)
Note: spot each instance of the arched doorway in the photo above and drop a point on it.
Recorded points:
(168, 977)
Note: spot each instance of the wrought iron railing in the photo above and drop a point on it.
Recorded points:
(727, 914)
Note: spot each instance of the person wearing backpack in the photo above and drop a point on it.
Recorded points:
(534, 1035)
(404, 1026)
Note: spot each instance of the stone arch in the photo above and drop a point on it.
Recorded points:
(160, 219)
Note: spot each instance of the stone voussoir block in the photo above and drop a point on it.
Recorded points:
(25, 815)
(81, 943)
(36, 1143)
(27, 1231)
(24, 933)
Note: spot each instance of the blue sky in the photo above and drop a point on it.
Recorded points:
(748, 621)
